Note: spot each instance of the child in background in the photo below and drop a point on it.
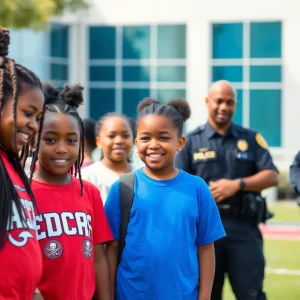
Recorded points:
(89, 141)
(114, 138)
(173, 221)
(21, 106)
(71, 225)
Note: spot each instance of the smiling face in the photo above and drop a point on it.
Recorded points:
(221, 104)
(157, 142)
(59, 147)
(29, 111)
(115, 139)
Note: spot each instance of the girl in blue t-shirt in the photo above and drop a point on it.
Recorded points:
(169, 252)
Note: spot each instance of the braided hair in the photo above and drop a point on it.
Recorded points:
(177, 109)
(66, 103)
(89, 133)
(14, 78)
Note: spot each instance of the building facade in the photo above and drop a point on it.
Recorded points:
(123, 51)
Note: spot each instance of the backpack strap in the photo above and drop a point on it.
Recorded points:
(126, 200)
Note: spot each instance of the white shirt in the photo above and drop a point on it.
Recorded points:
(101, 176)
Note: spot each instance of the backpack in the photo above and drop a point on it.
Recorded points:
(126, 200)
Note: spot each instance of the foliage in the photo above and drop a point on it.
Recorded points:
(35, 14)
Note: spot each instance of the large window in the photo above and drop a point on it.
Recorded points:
(249, 55)
(46, 53)
(129, 63)
(59, 54)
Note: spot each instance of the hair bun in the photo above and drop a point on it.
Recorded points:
(50, 92)
(146, 102)
(4, 41)
(182, 107)
(72, 95)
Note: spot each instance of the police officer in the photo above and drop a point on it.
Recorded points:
(237, 166)
(295, 175)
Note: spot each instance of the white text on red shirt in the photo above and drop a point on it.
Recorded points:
(58, 224)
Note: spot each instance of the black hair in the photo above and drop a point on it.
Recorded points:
(132, 123)
(177, 109)
(110, 115)
(13, 79)
(105, 117)
(67, 103)
(89, 133)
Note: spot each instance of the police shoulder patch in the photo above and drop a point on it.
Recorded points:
(261, 141)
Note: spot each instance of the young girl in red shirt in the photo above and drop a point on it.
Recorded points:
(71, 225)
(21, 106)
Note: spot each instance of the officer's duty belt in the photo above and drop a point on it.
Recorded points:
(229, 211)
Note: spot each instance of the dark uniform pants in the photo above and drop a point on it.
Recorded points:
(240, 255)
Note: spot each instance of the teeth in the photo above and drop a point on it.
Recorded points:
(155, 155)
(60, 160)
(24, 135)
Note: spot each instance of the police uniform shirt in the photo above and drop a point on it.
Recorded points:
(239, 153)
(295, 173)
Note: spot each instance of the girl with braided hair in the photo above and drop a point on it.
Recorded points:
(21, 106)
(173, 222)
(71, 225)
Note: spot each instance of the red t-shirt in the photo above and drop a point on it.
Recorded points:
(68, 226)
(20, 259)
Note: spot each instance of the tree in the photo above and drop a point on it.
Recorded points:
(34, 14)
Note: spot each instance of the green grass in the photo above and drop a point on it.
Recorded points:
(279, 254)
(277, 287)
(282, 254)
(285, 211)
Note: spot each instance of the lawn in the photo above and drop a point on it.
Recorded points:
(283, 255)
(286, 211)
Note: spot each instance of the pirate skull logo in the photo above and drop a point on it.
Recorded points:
(87, 248)
(53, 249)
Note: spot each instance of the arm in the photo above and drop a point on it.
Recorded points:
(113, 213)
(37, 295)
(209, 230)
(225, 188)
(295, 173)
(101, 234)
(112, 256)
(206, 262)
(266, 176)
(260, 181)
(102, 274)
(267, 173)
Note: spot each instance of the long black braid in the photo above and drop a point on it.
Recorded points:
(13, 79)
(67, 103)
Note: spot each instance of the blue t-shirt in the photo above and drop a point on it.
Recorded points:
(169, 219)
